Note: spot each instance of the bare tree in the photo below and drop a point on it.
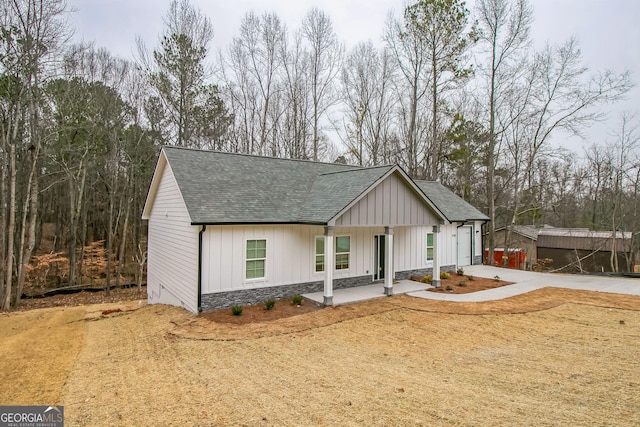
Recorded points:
(367, 83)
(252, 80)
(556, 94)
(504, 27)
(407, 50)
(325, 62)
(295, 127)
(625, 155)
(32, 32)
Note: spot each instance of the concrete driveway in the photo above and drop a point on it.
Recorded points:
(527, 281)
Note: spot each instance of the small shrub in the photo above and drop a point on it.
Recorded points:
(296, 299)
(449, 288)
(269, 304)
(460, 271)
(236, 310)
(444, 275)
(471, 278)
(462, 283)
(496, 278)
(427, 279)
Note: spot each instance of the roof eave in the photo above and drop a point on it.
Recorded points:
(155, 183)
(318, 223)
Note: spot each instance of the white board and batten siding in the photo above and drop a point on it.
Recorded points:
(290, 255)
(391, 203)
(469, 241)
(478, 250)
(172, 248)
(410, 247)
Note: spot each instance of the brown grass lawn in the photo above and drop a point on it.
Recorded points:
(551, 357)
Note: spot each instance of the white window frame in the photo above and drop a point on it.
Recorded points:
(348, 254)
(247, 259)
(335, 254)
(427, 247)
(316, 255)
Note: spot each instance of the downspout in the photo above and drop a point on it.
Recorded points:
(483, 230)
(202, 230)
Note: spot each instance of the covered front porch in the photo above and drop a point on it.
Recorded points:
(362, 293)
(417, 244)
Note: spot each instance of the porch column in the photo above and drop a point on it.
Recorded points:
(329, 265)
(435, 276)
(388, 261)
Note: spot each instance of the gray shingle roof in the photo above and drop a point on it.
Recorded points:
(227, 188)
(236, 188)
(331, 192)
(454, 208)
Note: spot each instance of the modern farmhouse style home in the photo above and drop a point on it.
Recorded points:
(228, 229)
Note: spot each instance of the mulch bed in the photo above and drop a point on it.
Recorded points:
(283, 308)
(462, 284)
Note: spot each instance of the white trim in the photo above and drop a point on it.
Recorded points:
(244, 260)
(335, 253)
(426, 247)
(314, 255)
(155, 184)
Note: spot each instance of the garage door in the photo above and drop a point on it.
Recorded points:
(464, 246)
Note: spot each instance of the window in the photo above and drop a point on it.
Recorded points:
(429, 246)
(256, 256)
(319, 254)
(342, 249)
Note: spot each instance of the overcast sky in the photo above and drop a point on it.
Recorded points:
(607, 30)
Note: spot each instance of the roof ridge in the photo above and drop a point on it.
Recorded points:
(174, 147)
(357, 169)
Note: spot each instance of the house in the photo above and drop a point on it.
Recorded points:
(228, 229)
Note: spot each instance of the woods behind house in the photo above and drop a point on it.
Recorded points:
(451, 94)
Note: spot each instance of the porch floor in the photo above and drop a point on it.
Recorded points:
(362, 293)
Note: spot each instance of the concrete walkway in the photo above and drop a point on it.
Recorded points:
(523, 282)
(527, 281)
(362, 293)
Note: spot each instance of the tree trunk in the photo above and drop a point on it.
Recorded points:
(491, 167)
(3, 207)
(123, 242)
(33, 216)
(11, 228)
(435, 142)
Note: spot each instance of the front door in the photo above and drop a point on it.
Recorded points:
(378, 257)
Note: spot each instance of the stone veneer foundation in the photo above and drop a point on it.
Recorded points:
(219, 300)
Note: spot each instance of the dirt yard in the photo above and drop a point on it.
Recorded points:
(550, 357)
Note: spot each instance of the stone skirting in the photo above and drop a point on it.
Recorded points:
(406, 275)
(253, 296)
